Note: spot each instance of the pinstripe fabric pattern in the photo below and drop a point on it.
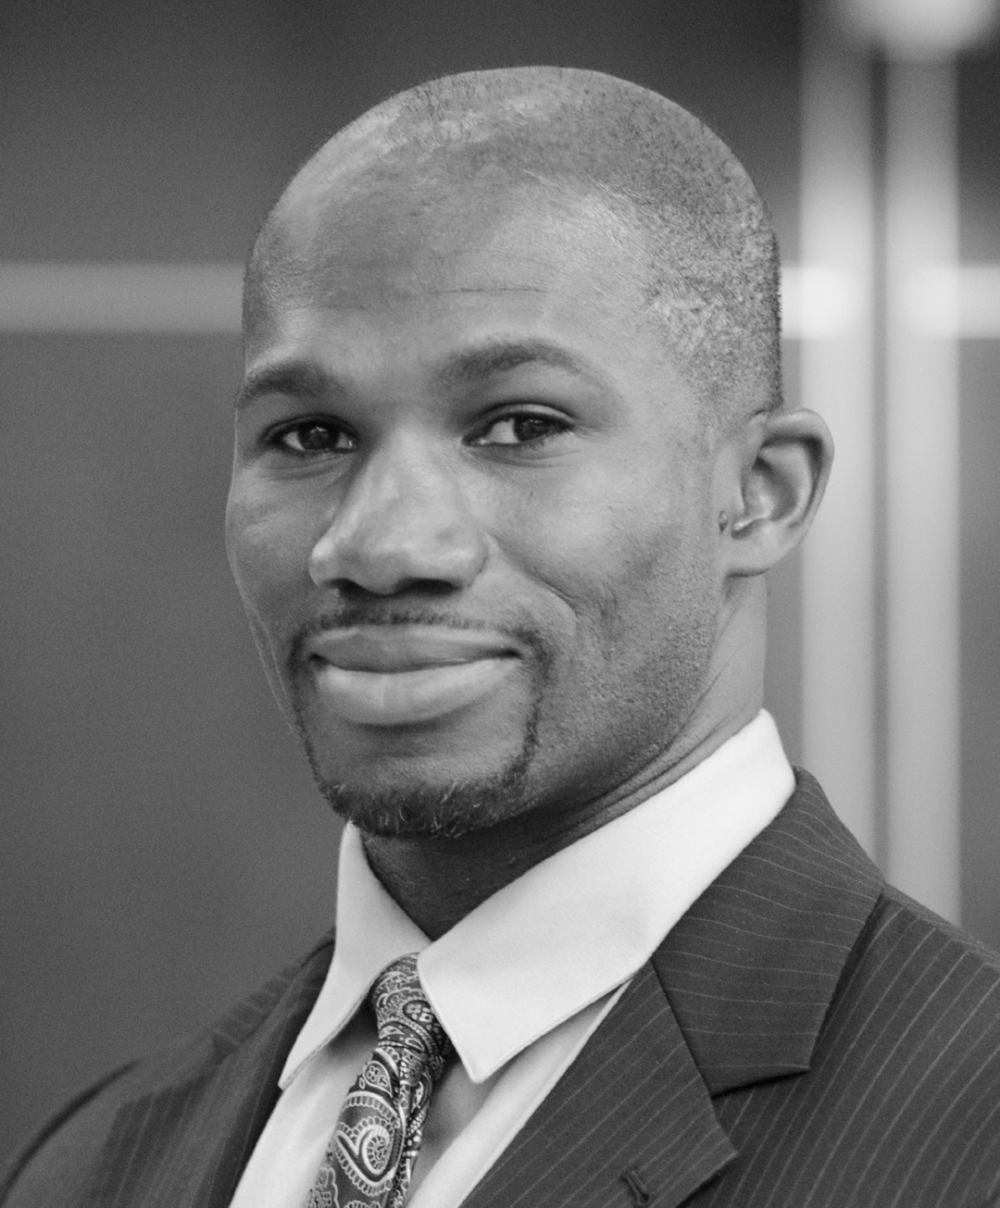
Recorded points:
(772, 935)
(175, 1130)
(633, 1100)
(804, 1038)
(904, 1086)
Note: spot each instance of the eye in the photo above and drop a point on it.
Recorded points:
(523, 428)
(313, 436)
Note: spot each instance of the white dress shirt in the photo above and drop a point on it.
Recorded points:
(521, 983)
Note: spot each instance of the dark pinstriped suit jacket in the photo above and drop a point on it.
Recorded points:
(804, 1038)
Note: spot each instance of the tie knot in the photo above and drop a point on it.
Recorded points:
(370, 1157)
(406, 1021)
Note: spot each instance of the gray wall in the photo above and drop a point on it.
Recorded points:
(163, 849)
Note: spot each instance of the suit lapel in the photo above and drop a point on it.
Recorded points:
(751, 969)
(196, 1134)
(629, 1120)
(736, 994)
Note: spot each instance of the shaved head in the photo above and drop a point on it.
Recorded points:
(510, 462)
(709, 265)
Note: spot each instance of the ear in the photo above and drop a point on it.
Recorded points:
(770, 478)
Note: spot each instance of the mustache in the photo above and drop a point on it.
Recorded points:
(389, 613)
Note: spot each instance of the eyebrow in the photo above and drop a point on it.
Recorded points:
(305, 379)
(501, 356)
(300, 378)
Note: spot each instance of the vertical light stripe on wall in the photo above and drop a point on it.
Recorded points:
(836, 303)
(922, 438)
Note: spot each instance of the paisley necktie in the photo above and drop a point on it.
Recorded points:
(370, 1157)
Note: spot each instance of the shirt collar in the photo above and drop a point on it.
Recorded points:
(570, 929)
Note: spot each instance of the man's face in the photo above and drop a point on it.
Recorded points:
(470, 514)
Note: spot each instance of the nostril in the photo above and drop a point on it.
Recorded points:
(352, 592)
(388, 541)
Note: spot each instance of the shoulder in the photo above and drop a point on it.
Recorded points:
(905, 1076)
(919, 983)
(66, 1154)
(850, 1037)
(50, 1165)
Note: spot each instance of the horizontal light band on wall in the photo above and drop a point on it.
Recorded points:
(817, 301)
(127, 297)
(955, 301)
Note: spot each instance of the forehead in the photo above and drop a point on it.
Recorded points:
(533, 245)
(378, 292)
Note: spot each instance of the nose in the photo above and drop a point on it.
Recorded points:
(404, 522)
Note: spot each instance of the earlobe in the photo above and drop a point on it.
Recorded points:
(782, 462)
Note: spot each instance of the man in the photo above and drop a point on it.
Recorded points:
(511, 461)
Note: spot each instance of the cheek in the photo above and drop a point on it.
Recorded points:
(596, 546)
(268, 550)
(637, 574)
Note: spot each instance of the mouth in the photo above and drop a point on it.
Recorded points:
(392, 675)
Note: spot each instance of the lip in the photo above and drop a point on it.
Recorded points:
(391, 675)
(395, 648)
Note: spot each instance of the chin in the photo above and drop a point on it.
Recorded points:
(427, 811)
(404, 798)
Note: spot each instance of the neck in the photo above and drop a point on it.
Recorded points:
(437, 882)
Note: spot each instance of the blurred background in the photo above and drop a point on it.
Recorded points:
(163, 850)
